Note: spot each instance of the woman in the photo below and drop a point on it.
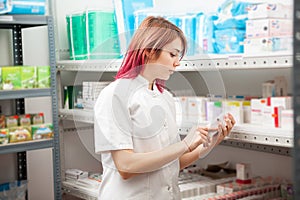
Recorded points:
(135, 127)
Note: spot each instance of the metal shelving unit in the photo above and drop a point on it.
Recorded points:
(16, 23)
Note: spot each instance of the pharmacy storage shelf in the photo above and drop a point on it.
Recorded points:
(16, 94)
(246, 133)
(80, 192)
(26, 146)
(77, 115)
(202, 63)
(9, 21)
(16, 23)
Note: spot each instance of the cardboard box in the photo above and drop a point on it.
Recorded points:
(256, 46)
(11, 78)
(43, 76)
(35, 7)
(28, 77)
(267, 10)
(243, 171)
(268, 28)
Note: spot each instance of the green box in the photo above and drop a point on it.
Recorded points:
(42, 131)
(73, 96)
(103, 40)
(28, 77)
(76, 30)
(11, 78)
(43, 76)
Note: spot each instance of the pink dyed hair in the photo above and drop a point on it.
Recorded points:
(152, 35)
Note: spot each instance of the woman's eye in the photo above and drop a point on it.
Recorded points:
(173, 55)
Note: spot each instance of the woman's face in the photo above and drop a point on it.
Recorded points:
(165, 64)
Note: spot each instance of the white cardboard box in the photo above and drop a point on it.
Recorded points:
(267, 10)
(268, 28)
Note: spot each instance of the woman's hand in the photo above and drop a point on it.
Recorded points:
(226, 128)
(196, 137)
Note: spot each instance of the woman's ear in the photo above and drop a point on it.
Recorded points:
(148, 55)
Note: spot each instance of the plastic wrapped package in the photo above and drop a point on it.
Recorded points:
(93, 35)
(229, 41)
(5, 6)
(205, 28)
(13, 191)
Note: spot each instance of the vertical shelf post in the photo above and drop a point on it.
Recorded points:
(56, 145)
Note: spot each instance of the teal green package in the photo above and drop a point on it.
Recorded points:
(11, 78)
(76, 31)
(102, 40)
(43, 76)
(28, 77)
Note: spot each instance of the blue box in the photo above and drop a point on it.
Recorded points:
(124, 10)
(28, 7)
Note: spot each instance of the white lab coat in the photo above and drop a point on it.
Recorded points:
(130, 116)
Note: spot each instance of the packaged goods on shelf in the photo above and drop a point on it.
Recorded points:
(124, 10)
(213, 110)
(205, 33)
(257, 106)
(2, 121)
(187, 22)
(33, 7)
(257, 46)
(76, 28)
(28, 77)
(37, 118)
(287, 119)
(19, 134)
(25, 120)
(93, 34)
(243, 172)
(42, 131)
(91, 91)
(11, 121)
(73, 96)
(229, 41)
(4, 136)
(235, 108)
(75, 174)
(268, 28)
(270, 10)
(43, 76)
(11, 78)
(13, 190)
(5, 6)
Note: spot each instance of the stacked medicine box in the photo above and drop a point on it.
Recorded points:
(268, 29)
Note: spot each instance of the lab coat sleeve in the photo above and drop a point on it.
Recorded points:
(112, 124)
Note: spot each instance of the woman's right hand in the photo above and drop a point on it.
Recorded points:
(196, 137)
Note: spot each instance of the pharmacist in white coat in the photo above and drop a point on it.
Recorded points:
(135, 127)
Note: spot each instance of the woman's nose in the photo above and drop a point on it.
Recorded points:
(177, 63)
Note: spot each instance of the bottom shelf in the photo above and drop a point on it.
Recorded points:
(78, 191)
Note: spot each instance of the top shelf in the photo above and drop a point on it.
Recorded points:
(9, 21)
(205, 62)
